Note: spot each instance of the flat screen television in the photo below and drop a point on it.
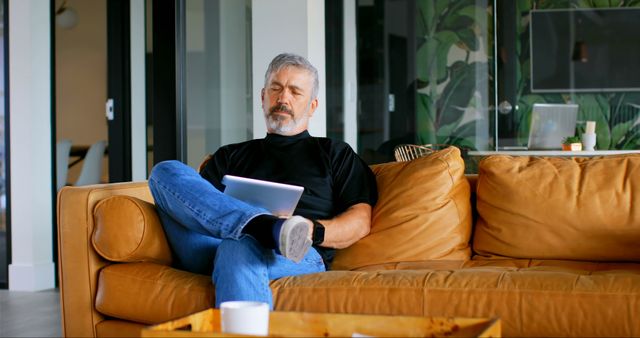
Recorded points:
(585, 50)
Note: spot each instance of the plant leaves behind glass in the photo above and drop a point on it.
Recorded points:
(468, 40)
(434, 52)
(425, 120)
(458, 92)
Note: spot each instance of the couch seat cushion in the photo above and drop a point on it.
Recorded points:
(559, 208)
(542, 301)
(423, 213)
(151, 293)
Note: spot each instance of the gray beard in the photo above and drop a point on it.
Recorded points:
(283, 126)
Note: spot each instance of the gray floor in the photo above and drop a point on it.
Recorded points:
(30, 314)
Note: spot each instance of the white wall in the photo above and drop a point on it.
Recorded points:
(30, 141)
(294, 26)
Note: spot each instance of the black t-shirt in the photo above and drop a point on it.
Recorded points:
(333, 175)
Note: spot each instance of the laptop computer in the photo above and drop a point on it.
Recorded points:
(279, 198)
(550, 124)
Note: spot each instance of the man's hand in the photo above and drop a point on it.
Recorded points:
(346, 228)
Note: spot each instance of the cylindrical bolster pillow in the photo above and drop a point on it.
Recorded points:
(128, 229)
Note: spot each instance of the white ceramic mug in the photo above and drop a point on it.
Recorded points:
(245, 317)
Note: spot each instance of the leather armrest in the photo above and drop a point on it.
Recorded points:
(78, 262)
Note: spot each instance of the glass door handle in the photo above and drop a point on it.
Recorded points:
(505, 107)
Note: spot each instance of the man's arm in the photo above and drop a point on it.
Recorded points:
(348, 227)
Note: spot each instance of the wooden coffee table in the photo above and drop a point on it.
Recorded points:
(295, 324)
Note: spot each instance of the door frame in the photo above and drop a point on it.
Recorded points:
(119, 89)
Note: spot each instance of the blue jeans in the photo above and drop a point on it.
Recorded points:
(204, 228)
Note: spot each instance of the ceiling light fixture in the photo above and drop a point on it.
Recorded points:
(66, 17)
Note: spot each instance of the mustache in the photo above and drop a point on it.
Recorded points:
(280, 108)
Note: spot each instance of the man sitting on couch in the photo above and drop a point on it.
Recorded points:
(244, 247)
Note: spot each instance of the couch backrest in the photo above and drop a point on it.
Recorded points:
(423, 214)
(559, 208)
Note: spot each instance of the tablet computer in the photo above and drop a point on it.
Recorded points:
(279, 198)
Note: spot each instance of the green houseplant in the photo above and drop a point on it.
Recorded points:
(572, 143)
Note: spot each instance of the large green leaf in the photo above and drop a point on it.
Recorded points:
(435, 52)
(619, 131)
(425, 119)
(430, 12)
(427, 16)
(625, 107)
(426, 60)
(478, 15)
(445, 131)
(603, 3)
(459, 90)
(522, 9)
(632, 139)
(469, 39)
(604, 105)
(441, 6)
(463, 136)
(582, 4)
(455, 22)
(466, 130)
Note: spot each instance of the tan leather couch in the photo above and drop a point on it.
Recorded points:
(551, 246)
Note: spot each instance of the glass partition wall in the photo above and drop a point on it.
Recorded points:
(423, 75)
(217, 75)
(465, 73)
(579, 52)
(460, 72)
(4, 229)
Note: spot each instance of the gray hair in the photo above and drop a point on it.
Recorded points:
(292, 60)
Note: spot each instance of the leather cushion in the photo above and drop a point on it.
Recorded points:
(128, 229)
(423, 213)
(559, 208)
(538, 301)
(151, 293)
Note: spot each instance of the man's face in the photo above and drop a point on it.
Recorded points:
(287, 102)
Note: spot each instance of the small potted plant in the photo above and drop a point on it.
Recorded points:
(572, 143)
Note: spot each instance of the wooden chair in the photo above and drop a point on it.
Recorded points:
(91, 172)
(63, 147)
(408, 152)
